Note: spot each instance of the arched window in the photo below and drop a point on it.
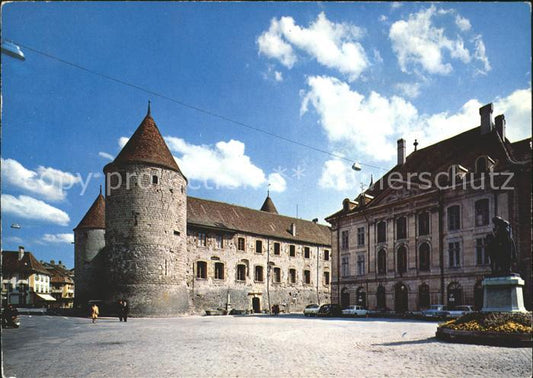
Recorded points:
(454, 217)
(401, 261)
(401, 228)
(423, 257)
(219, 271)
(381, 302)
(360, 297)
(382, 232)
(455, 294)
(482, 212)
(423, 296)
(478, 296)
(345, 298)
(241, 272)
(423, 223)
(400, 298)
(382, 261)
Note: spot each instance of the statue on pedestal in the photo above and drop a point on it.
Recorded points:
(501, 247)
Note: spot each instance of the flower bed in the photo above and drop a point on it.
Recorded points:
(501, 328)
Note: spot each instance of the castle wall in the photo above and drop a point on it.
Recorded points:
(87, 244)
(145, 235)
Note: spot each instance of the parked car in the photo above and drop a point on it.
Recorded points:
(435, 311)
(355, 311)
(311, 310)
(458, 311)
(330, 310)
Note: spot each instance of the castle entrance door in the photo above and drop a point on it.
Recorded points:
(256, 305)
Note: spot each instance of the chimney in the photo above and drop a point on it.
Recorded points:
(21, 252)
(401, 151)
(293, 229)
(486, 119)
(500, 125)
(52, 262)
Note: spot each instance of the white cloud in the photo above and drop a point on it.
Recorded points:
(278, 76)
(411, 90)
(58, 238)
(334, 45)
(382, 18)
(276, 182)
(105, 155)
(462, 23)
(369, 126)
(396, 4)
(417, 42)
(122, 141)
(337, 175)
(30, 208)
(14, 239)
(48, 183)
(224, 164)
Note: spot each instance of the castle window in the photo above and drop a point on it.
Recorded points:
(482, 257)
(292, 250)
(240, 244)
(423, 257)
(345, 240)
(382, 261)
(401, 255)
(482, 212)
(219, 271)
(292, 276)
(155, 179)
(277, 275)
(382, 232)
(202, 239)
(258, 276)
(307, 277)
(360, 236)
(401, 228)
(307, 252)
(201, 269)
(326, 255)
(423, 223)
(241, 272)
(258, 246)
(219, 239)
(326, 278)
(277, 248)
(454, 254)
(454, 218)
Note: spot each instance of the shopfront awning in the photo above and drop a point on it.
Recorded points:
(46, 297)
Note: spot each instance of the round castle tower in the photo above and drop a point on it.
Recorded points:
(89, 240)
(146, 226)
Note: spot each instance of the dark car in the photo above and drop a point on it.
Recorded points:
(329, 309)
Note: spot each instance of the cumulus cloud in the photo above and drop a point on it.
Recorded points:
(122, 141)
(225, 164)
(337, 175)
(58, 238)
(105, 155)
(276, 182)
(30, 208)
(369, 126)
(411, 90)
(49, 183)
(334, 45)
(418, 43)
(278, 76)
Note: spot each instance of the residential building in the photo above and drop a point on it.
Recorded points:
(62, 284)
(417, 236)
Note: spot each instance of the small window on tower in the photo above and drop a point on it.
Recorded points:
(155, 179)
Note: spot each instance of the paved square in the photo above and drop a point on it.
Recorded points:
(247, 346)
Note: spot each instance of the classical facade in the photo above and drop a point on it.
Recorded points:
(169, 253)
(417, 236)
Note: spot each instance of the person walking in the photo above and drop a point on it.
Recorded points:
(120, 310)
(94, 312)
(125, 310)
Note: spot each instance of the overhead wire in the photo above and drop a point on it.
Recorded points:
(186, 105)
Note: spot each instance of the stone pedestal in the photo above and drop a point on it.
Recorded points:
(503, 294)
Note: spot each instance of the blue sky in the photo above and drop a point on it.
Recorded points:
(348, 78)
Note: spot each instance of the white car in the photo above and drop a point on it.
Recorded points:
(355, 311)
(311, 310)
(458, 311)
(434, 311)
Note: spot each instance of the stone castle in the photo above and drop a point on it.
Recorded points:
(168, 253)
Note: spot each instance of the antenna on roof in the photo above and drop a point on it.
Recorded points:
(148, 108)
(415, 144)
(268, 190)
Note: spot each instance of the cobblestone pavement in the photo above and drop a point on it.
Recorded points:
(247, 346)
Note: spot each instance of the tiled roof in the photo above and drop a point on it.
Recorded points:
(28, 264)
(146, 145)
(59, 274)
(224, 216)
(95, 217)
(461, 149)
(268, 206)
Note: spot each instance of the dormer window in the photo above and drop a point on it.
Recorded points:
(456, 172)
(484, 164)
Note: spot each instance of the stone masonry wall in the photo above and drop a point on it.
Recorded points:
(88, 243)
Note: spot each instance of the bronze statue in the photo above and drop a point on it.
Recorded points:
(501, 247)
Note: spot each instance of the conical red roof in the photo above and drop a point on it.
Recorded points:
(268, 206)
(146, 145)
(95, 217)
